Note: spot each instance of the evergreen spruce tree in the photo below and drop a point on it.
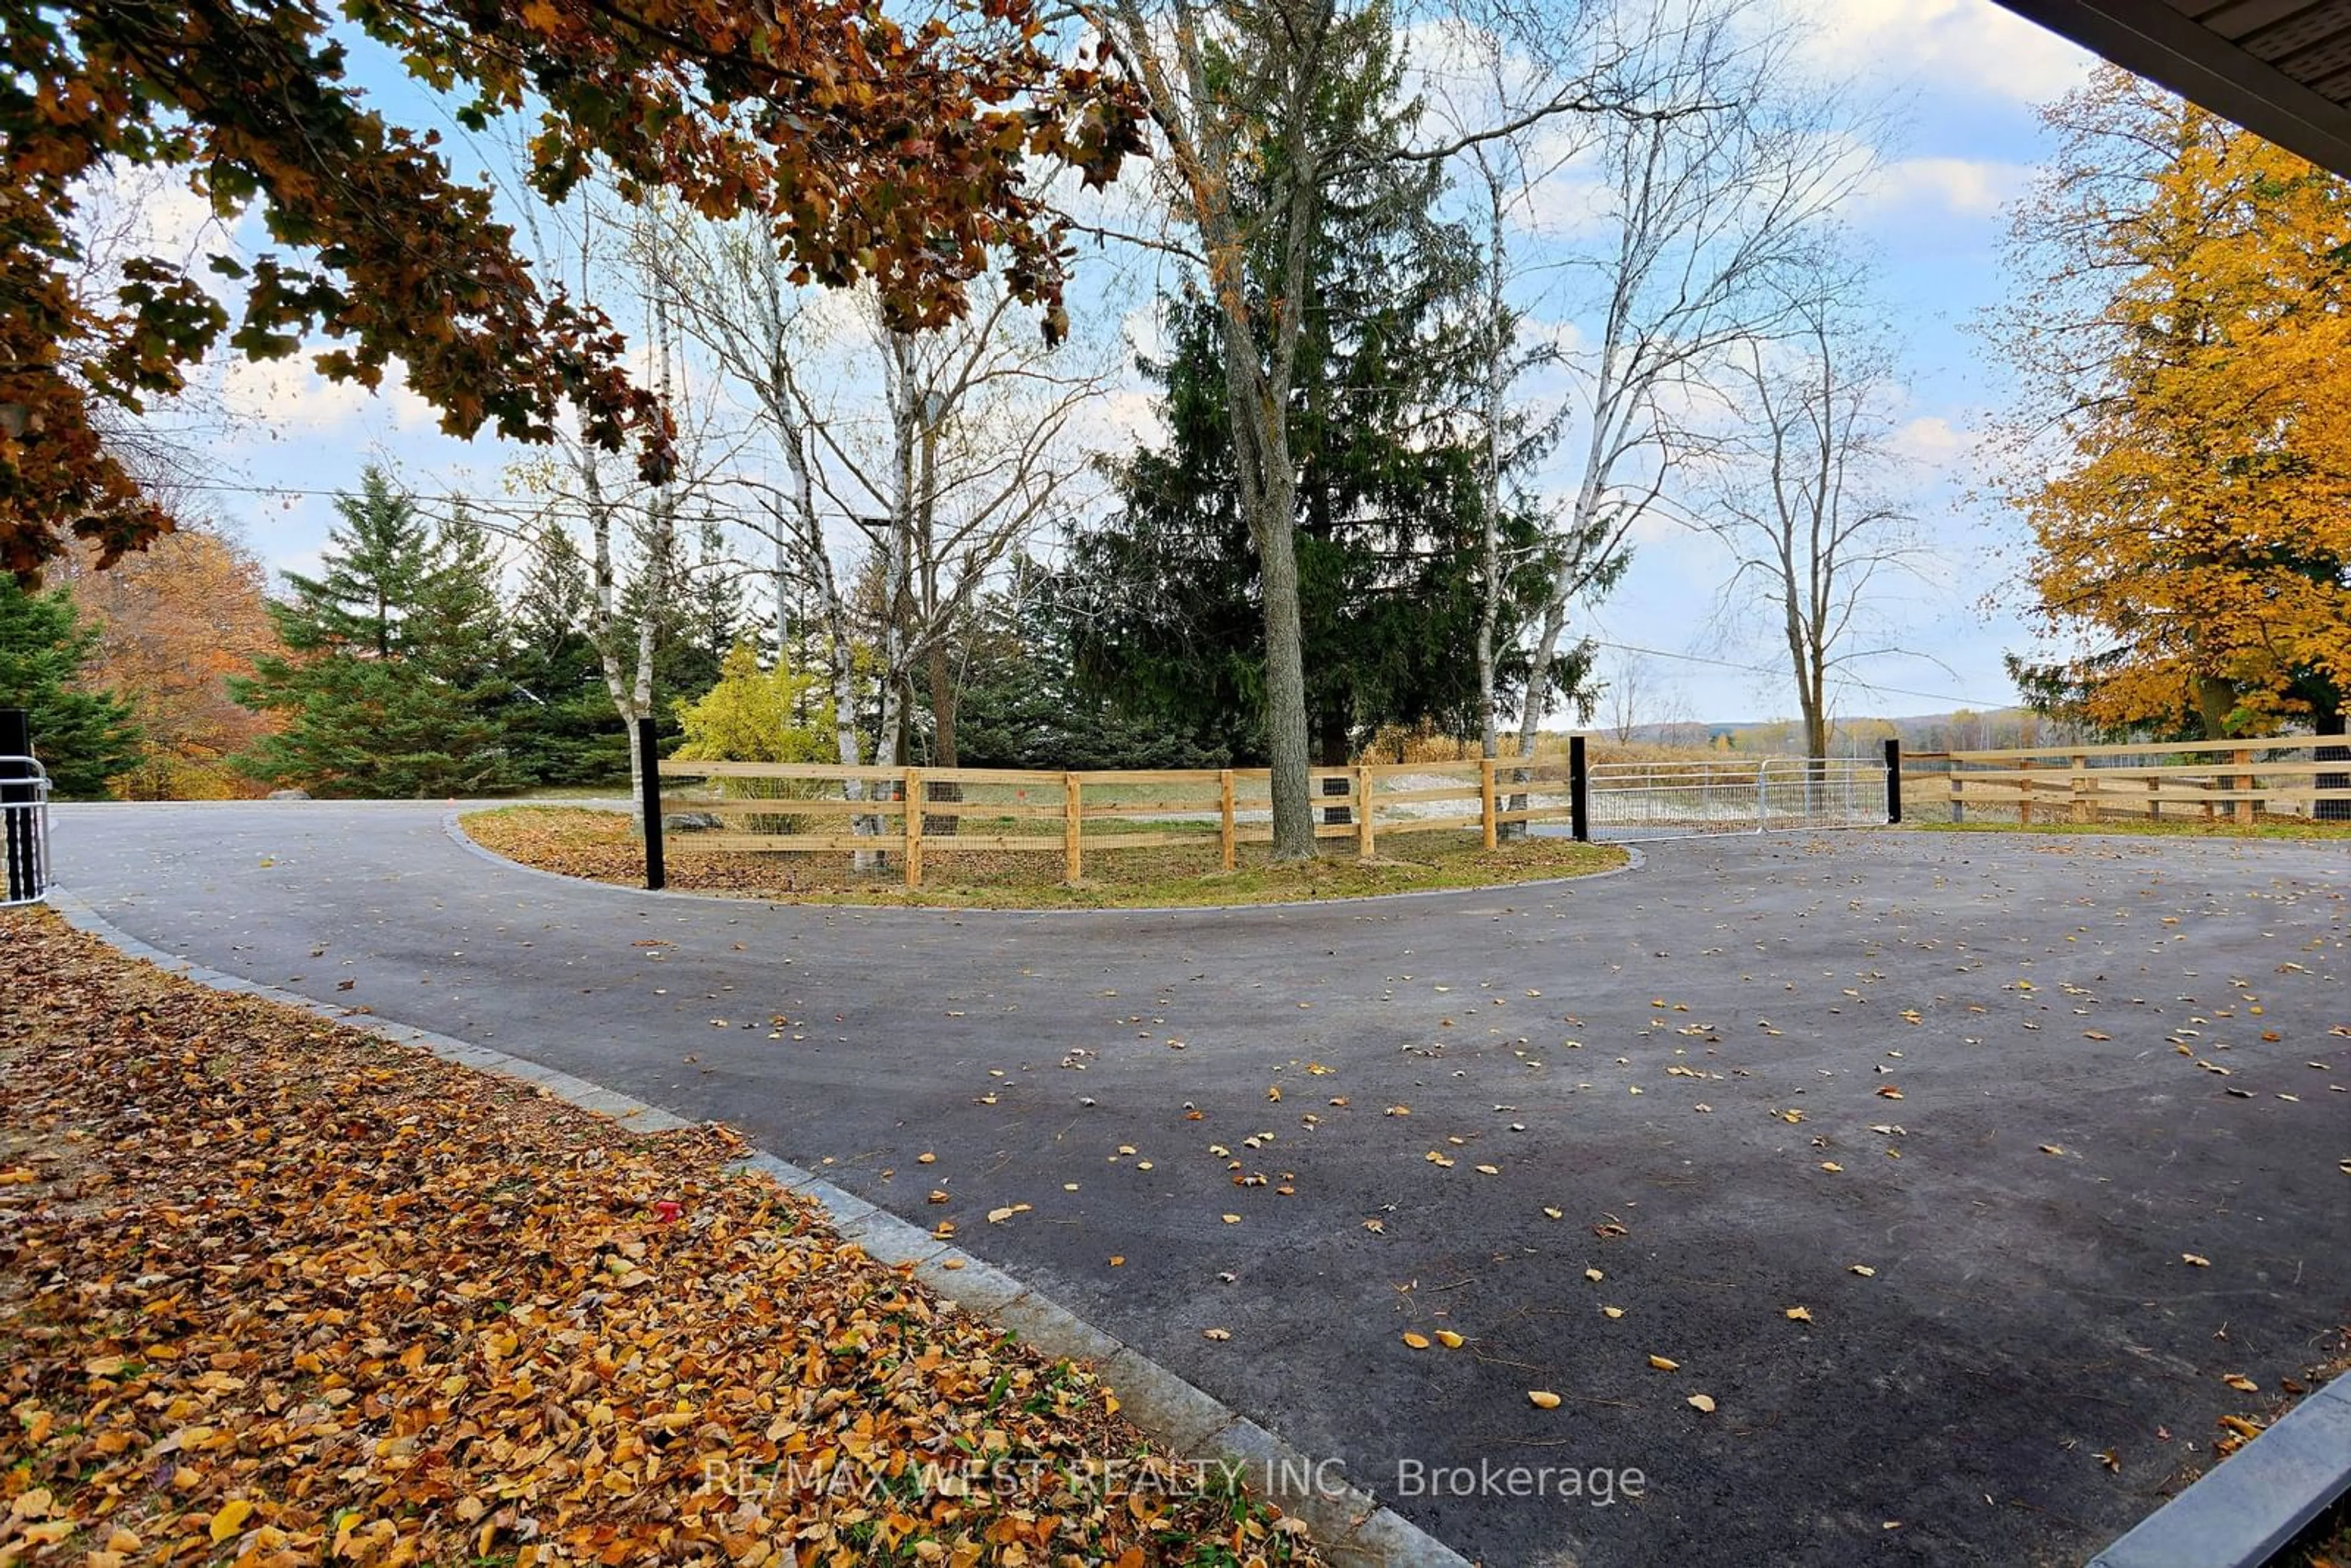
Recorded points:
(83, 738)
(563, 729)
(1021, 707)
(390, 686)
(1166, 592)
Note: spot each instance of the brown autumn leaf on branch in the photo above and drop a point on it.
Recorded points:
(911, 157)
(279, 1290)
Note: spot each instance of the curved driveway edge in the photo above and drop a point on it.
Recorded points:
(452, 823)
(1350, 1525)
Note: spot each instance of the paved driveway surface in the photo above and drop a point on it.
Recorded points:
(2030, 1363)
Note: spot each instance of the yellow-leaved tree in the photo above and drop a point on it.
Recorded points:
(778, 714)
(2181, 456)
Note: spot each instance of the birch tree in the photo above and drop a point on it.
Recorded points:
(1699, 214)
(929, 457)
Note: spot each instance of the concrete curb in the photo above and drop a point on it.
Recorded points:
(1350, 1525)
(2243, 1510)
(1634, 861)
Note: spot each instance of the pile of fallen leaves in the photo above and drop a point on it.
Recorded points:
(274, 1290)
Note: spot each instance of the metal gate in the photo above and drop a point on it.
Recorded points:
(24, 830)
(1631, 800)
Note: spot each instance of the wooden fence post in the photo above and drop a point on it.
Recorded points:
(1226, 838)
(2245, 782)
(2154, 800)
(1073, 826)
(913, 856)
(1486, 799)
(1363, 848)
(2078, 785)
(1894, 781)
(2024, 794)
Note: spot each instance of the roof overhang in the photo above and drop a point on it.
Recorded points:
(2281, 69)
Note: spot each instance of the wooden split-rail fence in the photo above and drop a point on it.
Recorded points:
(2208, 780)
(917, 812)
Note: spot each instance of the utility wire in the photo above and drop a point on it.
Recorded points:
(1768, 670)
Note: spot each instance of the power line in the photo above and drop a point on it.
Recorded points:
(1767, 670)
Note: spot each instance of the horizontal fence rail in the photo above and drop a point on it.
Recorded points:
(2241, 781)
(1632, 800)
(908, 816)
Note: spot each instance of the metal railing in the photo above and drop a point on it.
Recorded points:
(24, 830)
(1685, 799)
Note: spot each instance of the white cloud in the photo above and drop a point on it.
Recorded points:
(1963, 42)
(1933, 442)
(1970, 187)
(289, 396)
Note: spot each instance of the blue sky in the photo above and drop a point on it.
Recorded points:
(1962, 80)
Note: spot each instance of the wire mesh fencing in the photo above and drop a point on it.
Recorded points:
(1673, 799)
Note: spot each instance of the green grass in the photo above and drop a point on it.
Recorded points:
(602, 846)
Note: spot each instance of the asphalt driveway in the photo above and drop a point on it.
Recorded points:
(1970, 1102)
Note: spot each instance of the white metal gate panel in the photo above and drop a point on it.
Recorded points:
(1631, 800)
(24, 830)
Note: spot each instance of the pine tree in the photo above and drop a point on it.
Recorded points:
(1021, 707)
(563, 729)
(391, 684)
(83, 738)
(1388, 494)
(374, 567)
(697, 622)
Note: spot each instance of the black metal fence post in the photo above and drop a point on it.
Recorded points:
(1579, 790)
(649, 778)
(1894, 780)
(20, 825)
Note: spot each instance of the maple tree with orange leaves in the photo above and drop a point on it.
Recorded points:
(906, 157)
(175, 622)
(2182, 457)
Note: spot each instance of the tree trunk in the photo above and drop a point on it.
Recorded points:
(1489, 608)
(1285, 677)
(945, 700)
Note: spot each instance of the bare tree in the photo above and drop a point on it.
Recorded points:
(1495, 70)
(927, 458)
(1701, 213)
(1629, 692)
(1803, 494)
